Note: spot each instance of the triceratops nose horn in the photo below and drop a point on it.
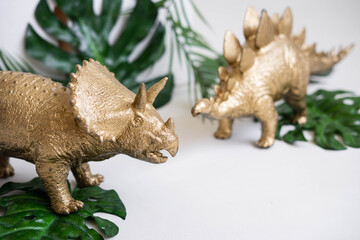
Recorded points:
(170, 124)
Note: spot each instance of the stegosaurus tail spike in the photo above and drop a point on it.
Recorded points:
(300, 38)
(323, 61)
(285, 23)
(309, 49)
(265, 32)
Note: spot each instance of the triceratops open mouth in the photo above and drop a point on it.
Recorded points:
(158, 157)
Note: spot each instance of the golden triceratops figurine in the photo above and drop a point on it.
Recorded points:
(273, 64)
(62, 128)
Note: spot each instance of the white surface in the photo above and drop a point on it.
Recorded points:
(215, 189)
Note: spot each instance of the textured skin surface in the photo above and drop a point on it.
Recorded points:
(62, 128)
(273, 64)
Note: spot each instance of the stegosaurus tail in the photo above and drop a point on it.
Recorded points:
(322, 62)
(260, 31)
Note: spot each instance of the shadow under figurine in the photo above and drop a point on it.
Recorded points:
(62, 128)
(273, 64)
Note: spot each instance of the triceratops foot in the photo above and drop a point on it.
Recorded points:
(84, 176)
(265, 142)
(65, 208)
(6, 171)
(300, 119)
(222, 134)
(94, 180)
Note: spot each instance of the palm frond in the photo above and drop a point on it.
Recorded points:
(10, 63)
(200, 59)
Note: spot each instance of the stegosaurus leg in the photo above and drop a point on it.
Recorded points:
(268, 116)
(298, 103)
(84, 177)
(225, 129)
(6, 170)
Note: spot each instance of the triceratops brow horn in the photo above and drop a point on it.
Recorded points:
(155, 89)
(140, 98)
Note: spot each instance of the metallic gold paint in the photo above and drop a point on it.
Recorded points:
(62, 128)
(273, 64)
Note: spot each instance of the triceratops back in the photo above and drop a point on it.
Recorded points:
(28, 104)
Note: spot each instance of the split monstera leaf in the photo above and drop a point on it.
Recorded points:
(79, 33)
(82, 34)
(28, 214)
(333, 117)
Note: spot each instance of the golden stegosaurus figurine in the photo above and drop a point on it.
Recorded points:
(273, 64)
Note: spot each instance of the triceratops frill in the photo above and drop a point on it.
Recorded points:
(273, 64)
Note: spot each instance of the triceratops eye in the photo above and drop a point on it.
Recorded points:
(137, 121)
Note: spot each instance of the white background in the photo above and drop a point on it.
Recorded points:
(215, 189)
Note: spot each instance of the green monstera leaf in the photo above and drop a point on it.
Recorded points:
(29, 216)
(331, 115)
(86, 35)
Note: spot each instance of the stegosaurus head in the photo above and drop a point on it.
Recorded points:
(259, 32)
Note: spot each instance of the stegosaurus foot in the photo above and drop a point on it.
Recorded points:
(265, 142)
(222, 134)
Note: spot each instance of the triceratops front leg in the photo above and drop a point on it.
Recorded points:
(54, 178)
(84, 177)
(268, 116)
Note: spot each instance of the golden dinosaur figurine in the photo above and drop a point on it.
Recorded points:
(272, 64)
(62, 128)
